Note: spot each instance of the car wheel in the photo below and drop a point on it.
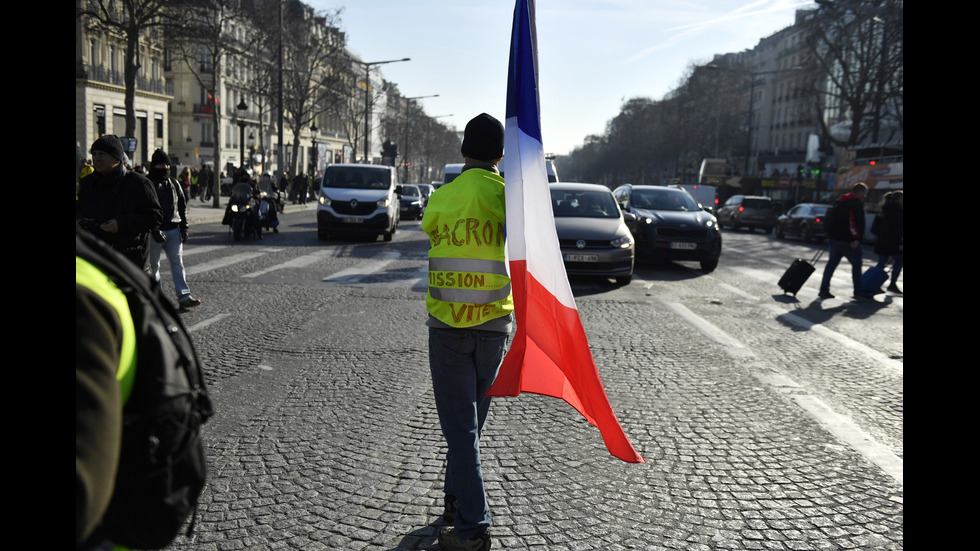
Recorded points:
(709, 265)
(780, 233)
(769, 230)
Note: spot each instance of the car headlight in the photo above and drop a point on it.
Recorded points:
(323, 199)
(623, 242)
(234, 208)
(383, 203)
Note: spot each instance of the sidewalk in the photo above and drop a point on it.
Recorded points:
(199, 212)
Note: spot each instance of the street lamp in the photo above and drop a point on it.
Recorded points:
(242, 107)
(367, 99)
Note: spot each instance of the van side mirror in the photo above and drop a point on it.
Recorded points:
(398, 189)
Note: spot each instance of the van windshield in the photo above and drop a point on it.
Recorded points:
(357, 177)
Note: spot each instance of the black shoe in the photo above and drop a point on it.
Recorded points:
(449, 541)
(449, 513)
(825, 294)
(894, 289)
(187, 301)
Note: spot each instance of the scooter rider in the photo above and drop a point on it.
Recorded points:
(267, 186)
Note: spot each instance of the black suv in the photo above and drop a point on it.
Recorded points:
(747, 211)
(670, 225)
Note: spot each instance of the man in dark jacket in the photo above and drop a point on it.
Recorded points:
(844, 236)
(117, 205)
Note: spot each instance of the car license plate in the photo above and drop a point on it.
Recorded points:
(682, 245)
(353, 220)
(582, 257)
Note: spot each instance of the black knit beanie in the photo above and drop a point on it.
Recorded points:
(159, 158)
(110, 144)
(483, 138)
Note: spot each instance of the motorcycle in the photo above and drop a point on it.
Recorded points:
(242, 213)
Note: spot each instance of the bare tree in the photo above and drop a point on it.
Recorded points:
(132, 19)
(315, 59)
(203, 42)
(858, 47)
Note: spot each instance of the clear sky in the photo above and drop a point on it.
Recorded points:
(592, 54)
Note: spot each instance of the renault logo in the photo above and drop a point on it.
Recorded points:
(353, 203)
(580, 243)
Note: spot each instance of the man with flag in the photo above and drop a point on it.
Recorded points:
(470, 318)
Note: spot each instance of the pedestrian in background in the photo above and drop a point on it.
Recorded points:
(195, 188)
(469, 324)
(205, 179)
(185, 181)
(890, 238)
(845, 233)
(118, 205)
(174, 227)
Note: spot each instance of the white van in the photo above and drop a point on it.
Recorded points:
(358, 199)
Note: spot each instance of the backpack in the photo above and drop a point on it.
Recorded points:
(835, 216)
(162, 465)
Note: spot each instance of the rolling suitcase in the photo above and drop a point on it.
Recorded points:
(872, 280)
(798, 272)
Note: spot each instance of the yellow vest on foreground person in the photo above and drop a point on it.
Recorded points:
(468, 279)
(105, 361)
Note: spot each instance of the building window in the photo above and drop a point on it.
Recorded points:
(98, 112)
(93, 53)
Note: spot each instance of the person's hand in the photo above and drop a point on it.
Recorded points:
(183, 236)
(110, 226)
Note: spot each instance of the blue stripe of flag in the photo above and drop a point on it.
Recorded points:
(522, 85)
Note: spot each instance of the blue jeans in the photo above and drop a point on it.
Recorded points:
(896, 269)
(836, 251)
(175, 255)
(464, 363)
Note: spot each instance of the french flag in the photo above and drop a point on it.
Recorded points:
(550, 352)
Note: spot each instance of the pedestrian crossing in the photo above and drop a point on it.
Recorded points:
(378, 270)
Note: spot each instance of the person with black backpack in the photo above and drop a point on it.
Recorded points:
(845, 232)
(140, 403)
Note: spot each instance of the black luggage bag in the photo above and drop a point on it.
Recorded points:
(798, 272)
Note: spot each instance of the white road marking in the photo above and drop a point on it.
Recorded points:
(298, 262)
(365, 268)
(842, 428)
(207, 322)
(221, 262)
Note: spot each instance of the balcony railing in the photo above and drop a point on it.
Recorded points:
(107, 76)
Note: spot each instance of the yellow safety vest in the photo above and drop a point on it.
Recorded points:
(90, 276)
(468, 280)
